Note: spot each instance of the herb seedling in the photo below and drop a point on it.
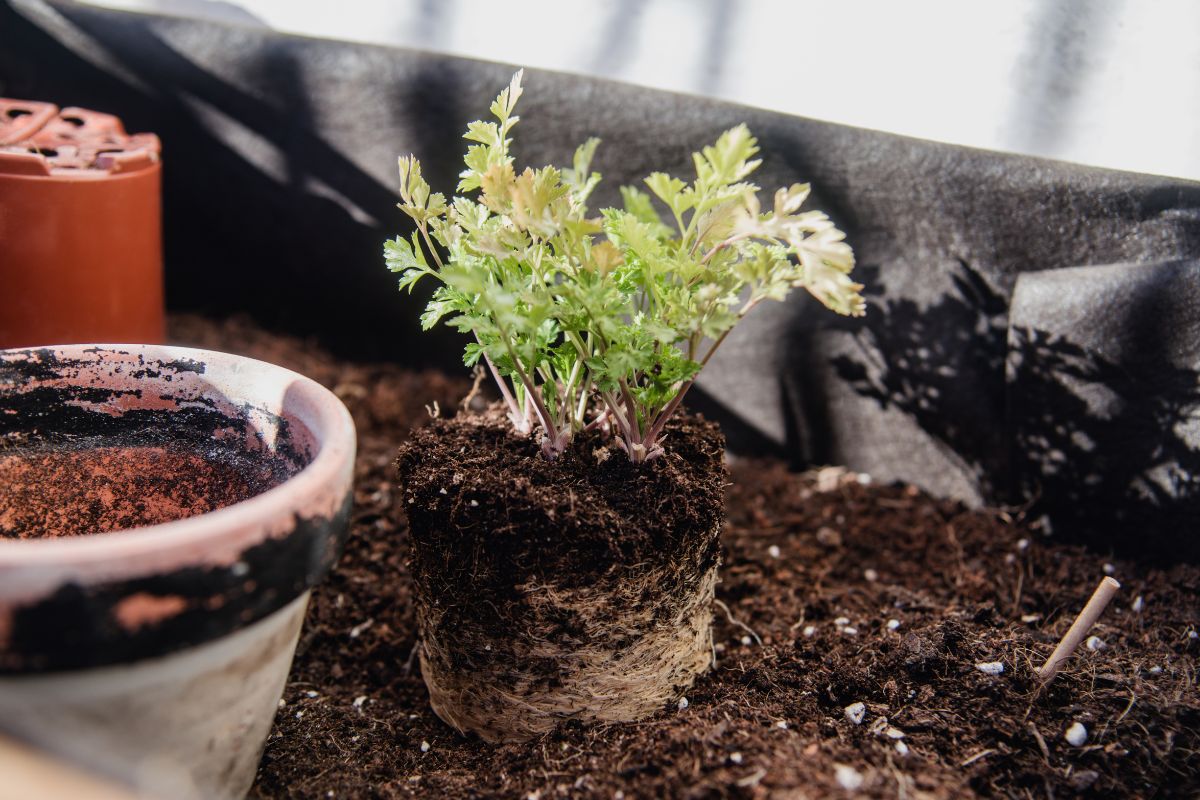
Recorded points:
(606, 320)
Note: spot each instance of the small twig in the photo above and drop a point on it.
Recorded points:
(1017, 594)
(480, 377)
(1128, 708)
(976, 757)
(742, 625)
(1079, 629)
(1040, 742)
(412, 657)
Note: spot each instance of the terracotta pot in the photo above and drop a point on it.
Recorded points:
(158, 655)
(80, 228)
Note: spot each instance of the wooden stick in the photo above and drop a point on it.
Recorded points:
(1079, 628)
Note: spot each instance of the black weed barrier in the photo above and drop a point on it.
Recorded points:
(1033, 333)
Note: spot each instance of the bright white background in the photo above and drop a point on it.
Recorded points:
(1111, 83)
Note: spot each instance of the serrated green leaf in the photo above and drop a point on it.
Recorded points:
(619, 308)
(472, 353)
(487, 133)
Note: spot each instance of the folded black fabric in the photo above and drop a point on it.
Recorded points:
(1033, 326)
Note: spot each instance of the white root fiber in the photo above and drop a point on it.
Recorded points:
(635, 645)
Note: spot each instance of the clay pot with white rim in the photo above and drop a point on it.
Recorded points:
(164, 514)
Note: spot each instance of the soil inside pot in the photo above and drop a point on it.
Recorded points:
(817, 565)
(55, 486)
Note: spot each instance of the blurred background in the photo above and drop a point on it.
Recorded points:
(1110, 83)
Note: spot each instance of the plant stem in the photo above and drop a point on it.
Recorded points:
(514, 410)
(424, 229)
(569, 391)
(661, 419)
(730, 241)
(614, 408)
(552, 432)
(635, 423)
(664, 416)
(598, 421)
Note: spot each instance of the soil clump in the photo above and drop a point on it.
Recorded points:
(575, 588)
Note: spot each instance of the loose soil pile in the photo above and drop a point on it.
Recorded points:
(840, 592)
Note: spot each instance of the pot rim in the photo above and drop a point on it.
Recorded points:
(331, 427)
(68, 177)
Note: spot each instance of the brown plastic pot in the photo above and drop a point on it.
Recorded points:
(80, 228)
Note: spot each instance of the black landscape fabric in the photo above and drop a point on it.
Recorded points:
(1033, 332)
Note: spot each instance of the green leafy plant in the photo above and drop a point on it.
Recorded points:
(605, 320)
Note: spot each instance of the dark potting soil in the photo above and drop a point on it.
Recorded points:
(816, 567)
(52, 487)
(473, 473)
(544, 585)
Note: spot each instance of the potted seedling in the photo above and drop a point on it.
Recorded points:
(164, 515)
(565, 543)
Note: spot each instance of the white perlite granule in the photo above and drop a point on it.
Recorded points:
(847, 777)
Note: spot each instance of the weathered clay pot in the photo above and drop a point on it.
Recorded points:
(157, 655)
(80, 228)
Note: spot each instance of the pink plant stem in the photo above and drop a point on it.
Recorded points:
(597, 422)
(631, 410)
(614, 408)
(552, 433)
(506, 393)
(664, 416)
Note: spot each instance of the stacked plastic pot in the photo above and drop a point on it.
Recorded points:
(80, 228)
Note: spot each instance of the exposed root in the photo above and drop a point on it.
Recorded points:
(630, 659)
(738, 623)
